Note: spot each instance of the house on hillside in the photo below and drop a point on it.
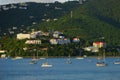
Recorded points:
(61, 36)
(33, 42)
(56, 34)
(59, 41)
(33, 35)
(91, 49)
(53, 41)
(76, 39)
(99, 44)
(21, 36)
(3, 51)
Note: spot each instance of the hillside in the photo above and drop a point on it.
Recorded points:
(93, 21)
(90, 21)
(26, 14)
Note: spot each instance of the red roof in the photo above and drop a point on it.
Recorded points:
(99, 42)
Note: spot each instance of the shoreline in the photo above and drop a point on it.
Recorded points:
(64, 57)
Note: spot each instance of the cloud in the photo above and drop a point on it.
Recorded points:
(38, 1)
(17, 1)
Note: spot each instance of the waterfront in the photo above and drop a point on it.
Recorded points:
(84, 69)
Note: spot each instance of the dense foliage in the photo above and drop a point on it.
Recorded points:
(91, 21)
(96, 20)
(33, 13)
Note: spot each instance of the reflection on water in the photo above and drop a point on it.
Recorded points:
(84, 69)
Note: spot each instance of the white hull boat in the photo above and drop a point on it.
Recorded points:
(117, 62)
(101, 64)
(16, 58)
(45, 65)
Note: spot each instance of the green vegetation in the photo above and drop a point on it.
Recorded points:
(92, 21)
(34, 12)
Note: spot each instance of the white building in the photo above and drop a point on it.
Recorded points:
(33, 35)
(61, 36)
(56, 34)
(33, 42)
(3, 56)
(76, 40)
(99, 44)
(53, 41)
(3, 51)
(23, 36)
(91, 48)
(65, 41)
(60, 41)
(39, 33)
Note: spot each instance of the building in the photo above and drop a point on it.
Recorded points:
(39, 33)
(61, 36)
(53, 41)
(3, 51)
(99, 44)
(3, 56)
(33, 35)
(60, 41)
(76, 40)
(23, 36)
(56, 34)
(91, 49)
(63, 41)
(33, 42)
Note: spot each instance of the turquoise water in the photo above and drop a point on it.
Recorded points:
(78, 70)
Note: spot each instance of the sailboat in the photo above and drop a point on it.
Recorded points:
(79, 57)
(17, 57)
(69, 60)
(117, 61)
(34, 59)
(101, 62)
(46, 64)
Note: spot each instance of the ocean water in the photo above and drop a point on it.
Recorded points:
(85, 69)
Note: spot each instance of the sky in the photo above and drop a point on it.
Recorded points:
(17, 1)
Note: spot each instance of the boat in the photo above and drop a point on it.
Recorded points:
(4, 56)
(101, 62)
(80, 57)
(117, 62)
(89, 60)
(34, 59)
(33, 62)
(42, 58)
(69, 60)
(45, 65)
(17, 57)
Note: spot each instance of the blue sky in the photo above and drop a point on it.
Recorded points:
(16, 1)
